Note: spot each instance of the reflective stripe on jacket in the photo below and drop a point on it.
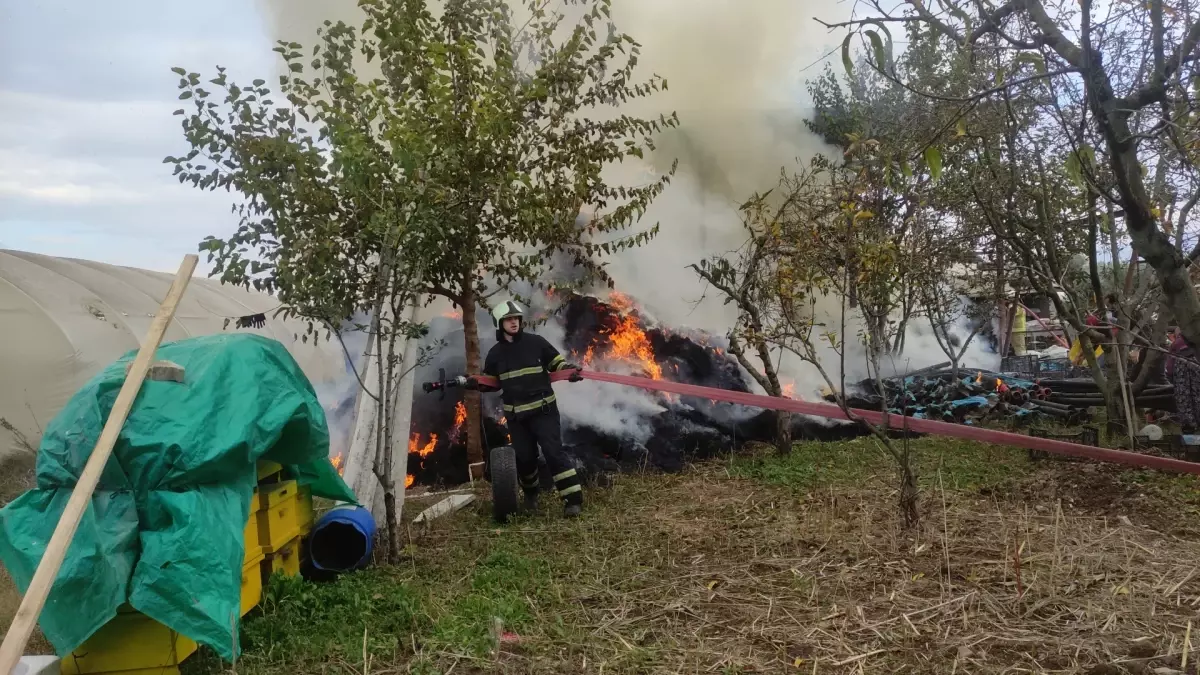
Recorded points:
(523, 367)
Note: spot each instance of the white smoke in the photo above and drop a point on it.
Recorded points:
(736, 72)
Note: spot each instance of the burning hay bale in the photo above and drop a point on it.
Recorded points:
(662, 432)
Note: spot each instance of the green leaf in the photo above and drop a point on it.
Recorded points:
(1080, 164)
(1072, 167)
(179, 71)
(933, 158)
(1035, 60)
(1088, 155)
(846, 61)
(185, 95)
(961, 127)
(877, 46)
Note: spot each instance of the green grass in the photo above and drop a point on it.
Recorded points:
(449, 606)
(593, 590)
(810, 465)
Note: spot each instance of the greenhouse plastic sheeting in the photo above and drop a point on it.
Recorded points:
(65, 320)
(164, 531)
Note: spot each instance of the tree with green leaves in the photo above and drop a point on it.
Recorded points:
(799, 238)
(1126, 72)
(478, 144)
(903, 135)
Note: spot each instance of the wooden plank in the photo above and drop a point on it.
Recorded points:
(445, 507)
(51, 562)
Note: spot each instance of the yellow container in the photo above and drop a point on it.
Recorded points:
(286, 559)
(250, 535)
(271, 494)
(304, 508)
(267, 469)
(279, 517)
(130, 642)
(166, 670)
(252, 584)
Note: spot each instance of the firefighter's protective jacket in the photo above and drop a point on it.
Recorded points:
(523, 367)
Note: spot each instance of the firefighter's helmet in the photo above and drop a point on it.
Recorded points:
(506, 309)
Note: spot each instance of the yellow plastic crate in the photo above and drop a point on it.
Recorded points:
(166, 670)
(267, 469)
(250, 535)
(279, 516)
(130, 642)
(252, 584)
(286, 559)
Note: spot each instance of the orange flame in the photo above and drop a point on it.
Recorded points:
(789, 390)
(415, 447)
(590, 355)
(629, 341)
(979, 377)
(620, 302)
(338, 463)
(409, 480)
(452, 314)
(504, 423)
(460, 416)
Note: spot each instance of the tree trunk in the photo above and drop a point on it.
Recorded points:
(389, 435)
(783, 433)
(903, 455)
(1154, 246)
(474, 367)
(908, 492)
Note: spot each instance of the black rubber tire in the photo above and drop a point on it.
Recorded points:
(506, 486)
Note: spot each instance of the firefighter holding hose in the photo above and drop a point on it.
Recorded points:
(522, 362)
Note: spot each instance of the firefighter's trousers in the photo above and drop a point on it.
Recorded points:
(544, 429)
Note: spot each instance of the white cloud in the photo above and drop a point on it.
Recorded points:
(87, 122)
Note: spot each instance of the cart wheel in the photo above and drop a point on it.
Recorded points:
(506, 488)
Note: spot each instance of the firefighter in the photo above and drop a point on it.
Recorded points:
(522, 362)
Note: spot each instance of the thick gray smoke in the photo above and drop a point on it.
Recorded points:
(736, 77)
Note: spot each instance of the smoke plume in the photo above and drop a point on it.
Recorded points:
(736, 72)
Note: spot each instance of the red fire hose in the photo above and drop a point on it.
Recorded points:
(831, 411)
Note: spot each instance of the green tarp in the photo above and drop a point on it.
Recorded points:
(164, 531)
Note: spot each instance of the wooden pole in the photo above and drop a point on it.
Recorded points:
(47, 571)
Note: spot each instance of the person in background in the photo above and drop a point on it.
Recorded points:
(1184, 374)
(1019, 330)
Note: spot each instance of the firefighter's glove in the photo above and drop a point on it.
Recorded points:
(576, 373)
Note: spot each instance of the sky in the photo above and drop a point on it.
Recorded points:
(86, 96)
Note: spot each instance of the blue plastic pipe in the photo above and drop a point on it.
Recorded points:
(343, 539)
